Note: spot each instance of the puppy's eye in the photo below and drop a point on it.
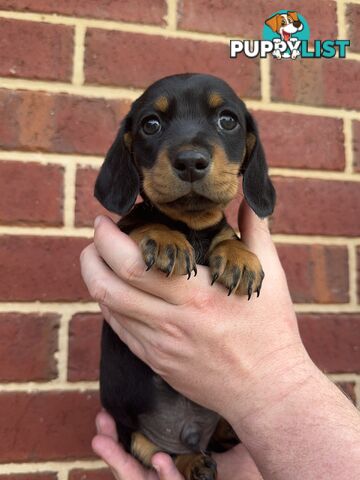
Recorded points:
(227, 121)
(151, 125)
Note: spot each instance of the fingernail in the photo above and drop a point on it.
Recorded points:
(97, 220)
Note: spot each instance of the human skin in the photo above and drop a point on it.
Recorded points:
(289, 416)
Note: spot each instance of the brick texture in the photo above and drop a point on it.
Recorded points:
(316, 273)
(117, 58)
(311, 142)
(320, 207)
(103, 474)
(358, 273)
(356, 145)
(29, 476)
(58, 122)
(332, 340)
(84, 347)
(53, 426)
(28, 343)
(135, 11)
(52, 47)
(31, 194)
(316, 82)
(41, 268)
(352, 20)
(246, 19)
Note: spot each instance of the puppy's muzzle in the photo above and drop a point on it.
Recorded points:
(191, 165)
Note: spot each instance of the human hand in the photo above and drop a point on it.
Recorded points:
(247, 350)
(236, 464)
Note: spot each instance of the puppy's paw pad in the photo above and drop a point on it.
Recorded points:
(238, 269)
(204, 469)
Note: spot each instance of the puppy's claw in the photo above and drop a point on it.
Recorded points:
(250, 291)
(149, 263)
(230, 290)
(195, 270)
(257, 292)
(214, 278)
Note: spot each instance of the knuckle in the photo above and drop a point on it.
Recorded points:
(133, 270)
(98, 291)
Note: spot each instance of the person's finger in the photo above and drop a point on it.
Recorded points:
(105, 425)
(123, 465)
(108, 289)
(124, 257)
(165, 467)
(256, 235)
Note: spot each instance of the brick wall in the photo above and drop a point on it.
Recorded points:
(68, 72)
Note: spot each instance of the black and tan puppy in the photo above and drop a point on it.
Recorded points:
(182, 146)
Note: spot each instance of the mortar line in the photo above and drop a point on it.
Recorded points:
(79, 53)
(352, 275)
(340, 13)
(69, 194)
(171, 16)
(344, 377)
(52, 466)
(63, 347)
(348, 144)
(111, 92)
(265, 80)
(53, 386)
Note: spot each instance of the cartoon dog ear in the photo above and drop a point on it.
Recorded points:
(273, 22)
(118, 183)
(294, 16)
(258, 190)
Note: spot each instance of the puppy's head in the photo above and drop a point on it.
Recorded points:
(182, 146)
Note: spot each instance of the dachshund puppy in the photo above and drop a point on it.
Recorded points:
(182, 147)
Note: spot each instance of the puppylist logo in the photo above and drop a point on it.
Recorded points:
(286, 34)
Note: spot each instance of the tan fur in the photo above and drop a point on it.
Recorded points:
(142, 448)
(215, 100)
(226, 254)
(163, 238)
(193, 466)
(274, 22)
(293, 16)
(220, 186)
(161, 104)
(128, 140)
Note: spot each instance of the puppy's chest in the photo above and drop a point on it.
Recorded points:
(201, 243)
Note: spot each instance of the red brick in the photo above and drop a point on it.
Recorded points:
(311, 142)
(142, 59)
(53, 426)
(353, 21)
(58, 122)
(140, 11)
(316, 273)
(246, 19)
(320, 82)
(103, 474)
(316, 207)
(41, 268)
(358, 272)
(24, 356)
(29, 476)
(35, 50)
(31, 193)
(87, 207)
(332, 340)
(348, 389)
(84, 347)
(356, 144)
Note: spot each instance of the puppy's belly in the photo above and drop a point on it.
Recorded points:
(176, 424)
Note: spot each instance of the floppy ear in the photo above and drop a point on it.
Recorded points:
(117, 184)
(294, 16)
(273, 22)
(257, 187)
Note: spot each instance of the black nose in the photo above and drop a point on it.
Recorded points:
(191, 165)
(297, 23)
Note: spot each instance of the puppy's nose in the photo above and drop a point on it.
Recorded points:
(191, 165)
(297, 23)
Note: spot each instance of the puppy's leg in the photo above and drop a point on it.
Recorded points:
(196, 466)
(167, 249)
(143, 449)
(224, 438)
(232, 264)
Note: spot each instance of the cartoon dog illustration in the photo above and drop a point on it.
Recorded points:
(285, 25)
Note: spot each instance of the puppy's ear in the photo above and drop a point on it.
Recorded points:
(257, 187)
(117, 184)
(294, 16)
(273, 22)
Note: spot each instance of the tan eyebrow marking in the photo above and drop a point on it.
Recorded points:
(128, 140)
(161, 104)
(215, 100)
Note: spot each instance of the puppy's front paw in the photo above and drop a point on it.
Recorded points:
(236, 267)
(167, 249)
(204, 468)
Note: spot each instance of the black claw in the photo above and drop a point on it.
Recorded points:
(230, 290)
(250, 290)
(195, 270)
(214, 278)
(149, 263)
(170, 251)
(187, 261)
(257, 292)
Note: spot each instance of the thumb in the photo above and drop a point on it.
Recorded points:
(165, 467)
